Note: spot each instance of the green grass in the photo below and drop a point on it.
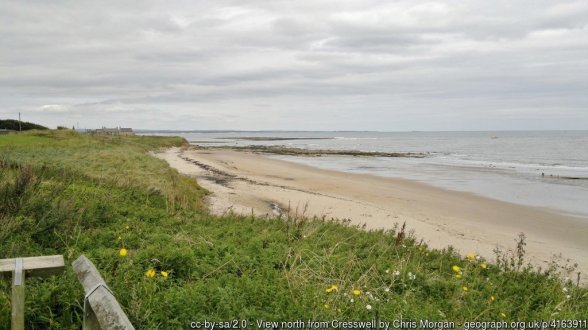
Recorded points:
(71, 194)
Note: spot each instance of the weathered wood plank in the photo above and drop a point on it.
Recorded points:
(103, 304)
(90, 320)
(18, 296)
(34, 266)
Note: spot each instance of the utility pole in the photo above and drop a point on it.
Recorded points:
(19, 126)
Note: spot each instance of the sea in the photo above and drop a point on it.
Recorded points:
(547, 169)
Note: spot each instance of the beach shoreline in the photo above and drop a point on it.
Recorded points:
(245, 182)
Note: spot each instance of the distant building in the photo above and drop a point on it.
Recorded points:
(6, 131)
(113, 131)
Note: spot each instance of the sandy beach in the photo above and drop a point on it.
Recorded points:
(245, 182)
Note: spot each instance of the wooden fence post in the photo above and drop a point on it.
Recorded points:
(101, 310)
(18, 295)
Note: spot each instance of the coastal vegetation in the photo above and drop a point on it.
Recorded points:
(170, 262)
(15, 125)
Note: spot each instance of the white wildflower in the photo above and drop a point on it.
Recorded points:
(369, 307)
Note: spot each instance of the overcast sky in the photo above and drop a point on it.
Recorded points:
(300, 65)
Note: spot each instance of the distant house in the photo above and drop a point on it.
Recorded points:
(6, 131)
(113, 131)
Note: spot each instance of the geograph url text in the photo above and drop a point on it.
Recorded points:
(394, 324)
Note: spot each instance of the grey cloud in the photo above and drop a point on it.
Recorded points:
(294, 27)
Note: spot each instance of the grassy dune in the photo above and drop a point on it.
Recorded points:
(70, 194)
(16, 125)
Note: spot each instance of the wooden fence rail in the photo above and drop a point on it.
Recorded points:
(101, 310)
(21, 267)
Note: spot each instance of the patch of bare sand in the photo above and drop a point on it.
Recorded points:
(245, 182)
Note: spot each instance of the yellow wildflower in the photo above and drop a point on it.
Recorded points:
(456, 269)
(503, 315)
(465, 289)
(356, 292)
(123, 252)
(164, 273)
(492, 298)
(483, 265)
(127, 227)
(458, 276)
(327, 306)
(150, 273)
(471, 256)
(332, 288)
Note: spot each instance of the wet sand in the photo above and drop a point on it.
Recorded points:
(245, 182)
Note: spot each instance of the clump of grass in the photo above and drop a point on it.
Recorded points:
(169, 261)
